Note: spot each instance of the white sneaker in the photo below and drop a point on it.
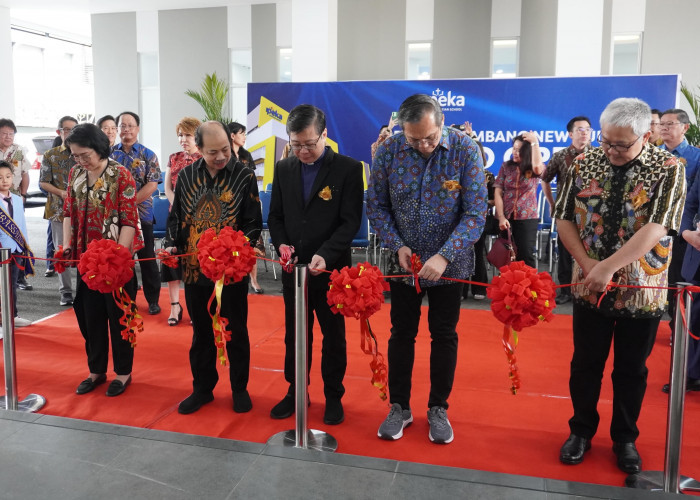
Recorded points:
(20, 322)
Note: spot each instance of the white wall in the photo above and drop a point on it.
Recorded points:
(420, 17)
(505, 18)
(284, 24)
(315, 24)
(579, 38)
(264, 43)
(149, 81)
(239, 26)
(7, 87)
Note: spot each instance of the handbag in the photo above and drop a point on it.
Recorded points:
(502, 251)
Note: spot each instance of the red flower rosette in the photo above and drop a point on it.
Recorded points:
(227, 254)
(61, 261)
(106, 266)
(167, 259)
(358, 292)
(520, 297)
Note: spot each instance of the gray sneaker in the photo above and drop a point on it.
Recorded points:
(440, 428)
(398, 418)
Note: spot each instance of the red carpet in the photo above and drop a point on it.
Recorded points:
(494, 430)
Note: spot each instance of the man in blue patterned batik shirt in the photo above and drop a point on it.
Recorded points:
(144, 167)
(426, 196)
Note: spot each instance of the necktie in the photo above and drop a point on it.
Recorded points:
(8, 200)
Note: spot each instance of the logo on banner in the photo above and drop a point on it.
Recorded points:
(449, 101)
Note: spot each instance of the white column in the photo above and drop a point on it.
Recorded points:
(314, 40)
(579, 38)
(7, 85)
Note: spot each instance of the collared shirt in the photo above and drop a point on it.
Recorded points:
(16, 156)
(519, 192)
(201, 202)
(144, 167)
(434, 205)
(309, 171)
(689, 157)
(178, 161)
(609, 205)
(55, 168)
(560, 163)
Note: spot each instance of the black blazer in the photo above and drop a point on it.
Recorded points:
(326, 225)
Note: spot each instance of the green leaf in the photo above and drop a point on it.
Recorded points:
(212, 98)
(693, 133)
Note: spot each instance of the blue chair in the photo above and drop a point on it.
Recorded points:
(363, 238)
(161, 209)
(265, 207)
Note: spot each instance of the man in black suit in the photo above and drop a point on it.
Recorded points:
(315, 212)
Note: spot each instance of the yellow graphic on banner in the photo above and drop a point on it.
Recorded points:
(269, 163)
(271, 111)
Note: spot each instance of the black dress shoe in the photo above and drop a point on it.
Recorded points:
(573, 449)
(194, 402)
(242, 402)
(116, 387)
(334, 414)
(88, 385)
(691, 384)
(23, 284)
(283, 409)
(50, 273)
(153, 308)
(628, 459)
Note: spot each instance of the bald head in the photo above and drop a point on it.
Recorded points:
(214, 143)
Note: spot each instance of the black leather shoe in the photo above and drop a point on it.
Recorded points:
(23, 284)
(194, 402)
(628, 459)
(116, 387)
(50, 273)
(88, 385)
(283, 409)
(242, 402)
(153, 308)
(573, 449)
(692, 384)
(334, 414)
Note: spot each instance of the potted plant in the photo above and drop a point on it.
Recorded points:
(693, 133)
(212, 98)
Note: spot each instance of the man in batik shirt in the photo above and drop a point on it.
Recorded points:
(144, 167)
(579, 128)
(426, 196)
(617, 213)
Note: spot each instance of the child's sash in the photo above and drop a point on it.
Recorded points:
(10, 227)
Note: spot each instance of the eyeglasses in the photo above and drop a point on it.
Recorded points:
(81, 158)
(7, 134)
(655, 124)
(109, 129)
(620, 148)
(584, 130)
(306, 147)
(127, 127)
(66, 130)
(669, 124)
(428, 141)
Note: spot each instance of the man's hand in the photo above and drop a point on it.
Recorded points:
(285, 252)
(433, 268)
(317, 264)
(598, 277)
(692, 237)
(404, 254)
(587, 263)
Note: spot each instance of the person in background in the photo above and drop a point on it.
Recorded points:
(108, 125)
(53, 178)
(185, 129)
(579, 129)
(515, 195)
(100, 204)
(655, 128)
(480, 271)
(144, 167)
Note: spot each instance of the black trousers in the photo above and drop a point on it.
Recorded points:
(633, 341)
(674, 275)
(234, 307)
(150, 276)
(443, 315)
(564, 267)
(334, 356)
(98, 319)
(480, 272)
(525, 236)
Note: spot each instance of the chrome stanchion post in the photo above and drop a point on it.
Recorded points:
(32, 402)
(302, 436)
(670, 480)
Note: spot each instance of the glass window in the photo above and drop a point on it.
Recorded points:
(626, 54)
(285, 65)
(419, 58)
(504, 58)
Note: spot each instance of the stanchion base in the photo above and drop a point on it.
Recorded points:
(32, 403)
(316, 440)
(654, 480)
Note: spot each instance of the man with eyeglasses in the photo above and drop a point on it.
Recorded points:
(315, 212)
(579, 128)
(655, 137)
(426, 197)
(53, 178)
(144, 167)
(617, 214)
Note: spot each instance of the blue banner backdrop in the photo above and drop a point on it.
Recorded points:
(497, 109)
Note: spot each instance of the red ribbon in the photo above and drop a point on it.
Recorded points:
(510, 342)
(286, 259)
(416, 266)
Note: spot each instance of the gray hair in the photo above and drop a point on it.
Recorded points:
(627, 112)
(415, 107)
(680, 114)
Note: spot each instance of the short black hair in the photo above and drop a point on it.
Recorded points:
(199, 133)
(235, 127)
(655, 111)
(87, 135)
(581, 118)
(6, 122)
(416, 106)
(5, 164)
(680, 114)
(136, 117)
(303, 116)
(66, 118)
(107, 118)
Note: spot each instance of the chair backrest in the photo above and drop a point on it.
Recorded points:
(363, 232)
(161, 209)
(265, 204)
